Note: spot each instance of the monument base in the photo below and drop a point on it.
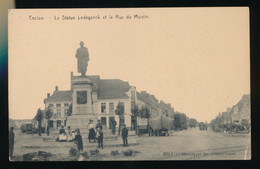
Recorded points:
(82, 108)
(79, 121)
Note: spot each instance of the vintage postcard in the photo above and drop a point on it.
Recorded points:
(129, 84)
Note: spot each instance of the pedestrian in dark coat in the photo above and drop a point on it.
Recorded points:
(78, 141)
(11, 142)
(124, 135)
(92, 133)
(100, 137)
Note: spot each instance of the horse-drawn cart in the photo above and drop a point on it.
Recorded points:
(160, 125)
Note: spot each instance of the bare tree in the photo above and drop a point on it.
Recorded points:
(39, 117)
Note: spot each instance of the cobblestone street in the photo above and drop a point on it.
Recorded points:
(190, 144)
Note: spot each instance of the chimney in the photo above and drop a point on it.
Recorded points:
(56, 88)
(228, 109)
(48, 95)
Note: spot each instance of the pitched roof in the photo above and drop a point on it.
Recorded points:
(95, 80)
(60, 96)
(106, 89)
(113, 89)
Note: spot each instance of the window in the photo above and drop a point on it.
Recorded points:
(66, 104)
(58, 105)
(111, 107)
(103, 107)
(50, 105)
(58, 111)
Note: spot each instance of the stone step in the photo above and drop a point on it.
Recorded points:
(132, 133)
(115, 143)
(84, 133)
(109, 137)
(85, 137)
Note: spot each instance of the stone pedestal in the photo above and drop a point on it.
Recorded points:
(82, 104)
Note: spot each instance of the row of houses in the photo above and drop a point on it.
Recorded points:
(238, 112)
(105, 95)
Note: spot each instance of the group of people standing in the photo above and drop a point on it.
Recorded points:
(95, 133)
(98, 134)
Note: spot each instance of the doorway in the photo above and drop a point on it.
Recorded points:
(50, 124)
(111, 119)
(104, 121)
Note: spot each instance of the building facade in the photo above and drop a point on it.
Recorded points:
(238, 112)
(103, 97)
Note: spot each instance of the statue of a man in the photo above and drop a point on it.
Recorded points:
(83, 58)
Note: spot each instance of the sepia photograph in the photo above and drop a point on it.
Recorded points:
(129, 84)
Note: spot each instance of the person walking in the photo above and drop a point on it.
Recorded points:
(100, 137)
(92, 133)
(78, 141)
(11, 142)
(124, 135)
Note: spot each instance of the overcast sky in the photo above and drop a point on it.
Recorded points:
(197, 59)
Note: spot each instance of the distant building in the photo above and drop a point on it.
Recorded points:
(157, 108)
(238, 112)
(17, 123)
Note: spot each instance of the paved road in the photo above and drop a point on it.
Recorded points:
(194, 144)
(190, 144)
